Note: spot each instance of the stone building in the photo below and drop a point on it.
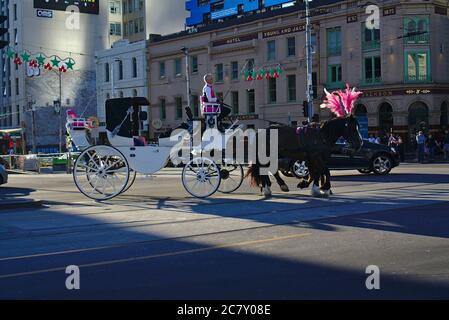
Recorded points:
(401, 66)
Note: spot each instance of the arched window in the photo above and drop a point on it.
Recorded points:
(418, 116)
(386, 122)
(134, 63)
(106, 72)
(361, 111)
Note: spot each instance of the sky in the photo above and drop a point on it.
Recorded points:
(167, 16)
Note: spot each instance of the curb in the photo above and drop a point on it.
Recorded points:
(8, 205)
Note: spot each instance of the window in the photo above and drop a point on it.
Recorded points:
(120, 70)
(315, 85)
(291, 88)
(417, 66)
(15, 12)
(272, 98)
(194, 64)
(235, 70)
(130, 6)
(334, 41)
(134, 93)
(178, 104)
(106, 72)
(291, 47)
(314, 43)
(134, 65)
(235, 102)
(250, 65)
(17, 87)
(18, 115)
(334, 75)
(114, 7)
(416, 30)
(177, 67)
(370, 38)
(136, 26)
(219, 72)
(161, 69)
(121, 95)
(372, 70)
(115, 29)
(163, 111)
(131, 27)
(251, 101)
(271, 50)
(141, 25)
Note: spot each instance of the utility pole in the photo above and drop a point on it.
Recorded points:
(32, 108)
(186, 53)
(60, 112)
(112, 80)
(309, 90)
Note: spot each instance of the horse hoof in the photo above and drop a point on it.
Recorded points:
(326, 193)
(316, 193)
(302, 185)
(267, 193)
(285, 188)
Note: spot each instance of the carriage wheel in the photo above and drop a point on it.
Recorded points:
(101, 172)
(201, 177)
(132, 179)
(232, 176)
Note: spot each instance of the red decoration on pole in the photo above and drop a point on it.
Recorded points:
(48, 67)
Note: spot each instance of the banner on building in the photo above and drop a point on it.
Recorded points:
(85, 6)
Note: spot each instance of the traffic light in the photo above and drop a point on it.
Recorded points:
(305, 108)
(3, 31)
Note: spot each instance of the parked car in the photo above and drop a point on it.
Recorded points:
(3, 175)
(372, 158)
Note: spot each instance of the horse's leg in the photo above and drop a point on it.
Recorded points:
(281, 182)
(305, 183)
(266, 186)
(326, 186)
(318, 171)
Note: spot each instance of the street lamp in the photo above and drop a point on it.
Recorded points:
(309, 89)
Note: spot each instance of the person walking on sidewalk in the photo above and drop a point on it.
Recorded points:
(432, 145)
(421, 141)
(446, 145)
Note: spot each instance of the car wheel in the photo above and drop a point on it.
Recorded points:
(364, 171)
(382, 165)
(300, 169)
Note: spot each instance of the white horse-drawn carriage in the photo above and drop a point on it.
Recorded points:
(102, 172)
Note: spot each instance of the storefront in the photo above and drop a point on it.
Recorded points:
(11, 139)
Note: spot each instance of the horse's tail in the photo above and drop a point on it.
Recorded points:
(253, 174)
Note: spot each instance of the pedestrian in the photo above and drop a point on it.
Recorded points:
(372, 139)
(446, 145)
(401, 148)
(378, 140)
(431, 145)
(421, 142)
(393, 142)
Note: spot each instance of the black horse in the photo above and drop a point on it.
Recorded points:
(315, 148)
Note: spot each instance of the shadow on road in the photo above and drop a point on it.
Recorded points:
(397, 177)
(11, 194)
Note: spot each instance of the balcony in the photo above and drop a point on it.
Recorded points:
(417, 39)
(417, 78)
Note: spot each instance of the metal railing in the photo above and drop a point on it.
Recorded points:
(39, 163)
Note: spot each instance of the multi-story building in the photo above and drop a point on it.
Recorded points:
(129, 19)
(44, 28)
(401, 66)
(121, 72)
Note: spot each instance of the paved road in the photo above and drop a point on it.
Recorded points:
(156, 242)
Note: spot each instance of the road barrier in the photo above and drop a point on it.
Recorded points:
(39, 163)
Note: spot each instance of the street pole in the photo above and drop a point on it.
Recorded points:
(112, 80)
(60, 112)
(33, 125)
(186, 53)
(309, 90)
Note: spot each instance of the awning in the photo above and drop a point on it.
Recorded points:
(13, 133)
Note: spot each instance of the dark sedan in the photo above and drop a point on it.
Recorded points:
(372, 157)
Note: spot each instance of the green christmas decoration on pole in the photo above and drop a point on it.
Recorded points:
(10, 53)
(55, 62)
(70, 64)
(40, 60)
(25, 56)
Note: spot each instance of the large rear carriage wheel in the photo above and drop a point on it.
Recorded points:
(101, 173)
(232, 176)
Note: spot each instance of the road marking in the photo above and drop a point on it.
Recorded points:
(163, 255)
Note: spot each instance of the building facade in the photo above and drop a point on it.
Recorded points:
(129, 19)
(401, 65)
(47, 30)
(121, 72)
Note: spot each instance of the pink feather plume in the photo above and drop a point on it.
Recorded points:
(333, 103)
(341, 102)
(348, 98)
